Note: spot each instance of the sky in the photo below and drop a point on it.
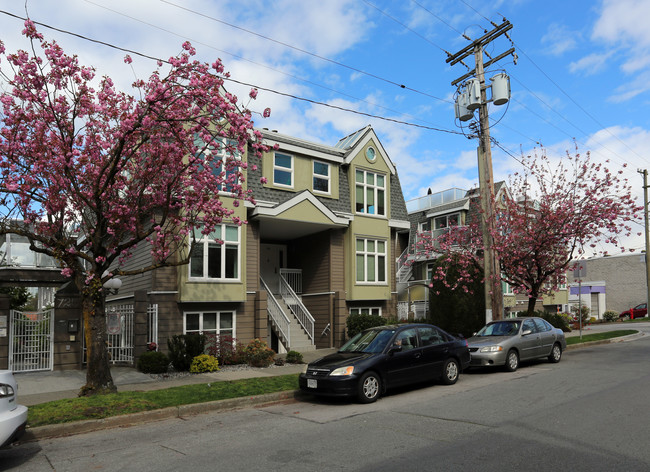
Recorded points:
(328, 68)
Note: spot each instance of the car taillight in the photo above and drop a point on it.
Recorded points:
(6, 391)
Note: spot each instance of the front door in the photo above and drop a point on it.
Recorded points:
(273, 258)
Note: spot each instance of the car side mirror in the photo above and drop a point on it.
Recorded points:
(526, 332)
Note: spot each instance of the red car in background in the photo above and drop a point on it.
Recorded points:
(638, 311)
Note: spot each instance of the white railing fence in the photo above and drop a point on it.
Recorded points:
(277, 315)
(297, 308)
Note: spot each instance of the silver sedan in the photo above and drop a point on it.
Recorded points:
(510, 341)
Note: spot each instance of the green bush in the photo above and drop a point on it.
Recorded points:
(294, 357)
(258, 354)
(610, 315)
(204, 363)
(183, 348)
(559, 320)
(357, 322)
(153, 362)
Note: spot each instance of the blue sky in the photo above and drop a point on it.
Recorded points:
(583, 71)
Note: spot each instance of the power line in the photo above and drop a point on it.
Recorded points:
(236, 56)
(230, 79)
(323, 58)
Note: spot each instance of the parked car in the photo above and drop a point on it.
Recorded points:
(13, 417)
(638, 311)
(510, 341)
(385, 357)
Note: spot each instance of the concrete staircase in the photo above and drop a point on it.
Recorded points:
(299, 339)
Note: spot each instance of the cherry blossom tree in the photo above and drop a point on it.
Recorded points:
(553, 213)
(87, 172)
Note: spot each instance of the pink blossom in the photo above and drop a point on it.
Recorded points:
(127, 59)
(253, 93)
(267, 113)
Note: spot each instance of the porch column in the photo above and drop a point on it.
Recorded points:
(261, 315)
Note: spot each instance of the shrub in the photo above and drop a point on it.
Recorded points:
(225, 348)
(183, 348)
(610, 315)
(559, 320)
(294, 357)
(586, 314)
(357, 322)
(258, 354)
(153, 362)
(204, 363)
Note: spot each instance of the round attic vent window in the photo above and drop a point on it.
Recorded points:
(371, 154)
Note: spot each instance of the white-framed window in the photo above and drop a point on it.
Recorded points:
(321, 179)
(429, 274)
(211, 260)
(506, 288)
(209, 322)
(446, 221)
(283, 170)
(371, 261)
(366, 310)
(226, 161)
(370, 192)
(425, 226)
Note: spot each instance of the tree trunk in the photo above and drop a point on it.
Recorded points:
(98, 372)
(531, 306)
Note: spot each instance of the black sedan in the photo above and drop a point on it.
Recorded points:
(385, 357)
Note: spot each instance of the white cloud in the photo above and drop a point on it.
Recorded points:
(590, 64)
(559, 39)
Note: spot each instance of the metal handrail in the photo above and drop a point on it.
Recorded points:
(297, 308)
(277, 315)
(293, 278)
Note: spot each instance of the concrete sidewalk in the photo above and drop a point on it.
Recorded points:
(41, 387)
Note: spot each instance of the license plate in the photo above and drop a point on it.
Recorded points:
(311, 383)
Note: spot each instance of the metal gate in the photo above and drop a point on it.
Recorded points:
(31, 345)
(119, 325)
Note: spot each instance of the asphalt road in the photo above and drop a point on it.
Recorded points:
(589, 412)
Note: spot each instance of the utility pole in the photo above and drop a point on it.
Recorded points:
(647, 232)
(491, 265)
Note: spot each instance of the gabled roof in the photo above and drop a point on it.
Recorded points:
(359, 139)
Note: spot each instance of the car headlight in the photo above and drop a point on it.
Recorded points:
(491, 349)
(304, 368)
(349, 370)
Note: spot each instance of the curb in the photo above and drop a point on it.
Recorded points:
(620, 339)
(87, 426)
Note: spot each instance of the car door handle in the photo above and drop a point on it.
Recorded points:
(417, 355)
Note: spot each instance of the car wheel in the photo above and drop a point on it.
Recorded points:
(450, 372)
(556, 354)
(369, 387)
(512, 361)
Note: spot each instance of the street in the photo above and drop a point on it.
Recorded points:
(589, 412)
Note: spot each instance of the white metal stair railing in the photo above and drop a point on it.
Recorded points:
(277, 316)
(297, 308)
(404, 270)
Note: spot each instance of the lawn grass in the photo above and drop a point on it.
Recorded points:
(121, 403)
(600, 336)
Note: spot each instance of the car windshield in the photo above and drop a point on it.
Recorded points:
(500, 328)
(372, 341)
